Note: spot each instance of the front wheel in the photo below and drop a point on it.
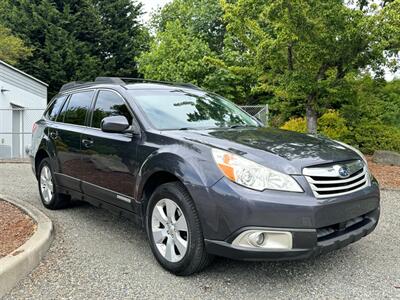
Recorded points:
(174, 231)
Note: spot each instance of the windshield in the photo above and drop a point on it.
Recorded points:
(178, 109)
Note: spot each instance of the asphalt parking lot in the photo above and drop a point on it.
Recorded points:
(96, 255)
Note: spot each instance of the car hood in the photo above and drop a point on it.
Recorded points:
(283, 150)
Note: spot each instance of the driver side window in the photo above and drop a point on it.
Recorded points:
(108, 104)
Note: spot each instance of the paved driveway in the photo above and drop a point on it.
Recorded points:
(96, 255)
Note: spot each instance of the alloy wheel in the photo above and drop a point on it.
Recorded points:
(170, 230)
(46, 184)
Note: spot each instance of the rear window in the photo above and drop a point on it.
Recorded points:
(76, 109)
(54, 109)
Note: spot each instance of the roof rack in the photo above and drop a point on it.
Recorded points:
(110, 80)
(73, 84)
(122, 81)
(127, 80)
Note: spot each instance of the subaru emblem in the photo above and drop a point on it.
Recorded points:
(344, 171)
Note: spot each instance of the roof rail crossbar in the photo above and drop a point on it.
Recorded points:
(121, 81)
(98, 80)
(110, 80)
(125, 80)
(71, 85)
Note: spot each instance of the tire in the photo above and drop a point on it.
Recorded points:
(51, 200)
(170, 227)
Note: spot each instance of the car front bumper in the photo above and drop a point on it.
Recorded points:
(235, 209)
(306, 243)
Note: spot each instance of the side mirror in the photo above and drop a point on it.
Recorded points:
(116, 124)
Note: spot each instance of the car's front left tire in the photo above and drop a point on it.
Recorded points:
(49, 195)
(174, 231)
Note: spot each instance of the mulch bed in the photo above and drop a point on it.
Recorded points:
(387, 176)
(15, 228)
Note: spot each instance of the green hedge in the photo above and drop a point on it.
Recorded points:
(371, 137)
(365, 136)
(330, 124)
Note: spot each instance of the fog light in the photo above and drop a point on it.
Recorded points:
(266, 239)
(257, 239)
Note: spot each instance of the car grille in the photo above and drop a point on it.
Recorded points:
(331, 181)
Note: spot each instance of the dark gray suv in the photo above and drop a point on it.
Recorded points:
(200, 175)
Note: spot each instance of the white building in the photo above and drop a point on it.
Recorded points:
(23, 99)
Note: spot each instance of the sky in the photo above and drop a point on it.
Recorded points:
(149, 5)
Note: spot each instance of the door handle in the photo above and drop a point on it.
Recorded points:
(87, 143)
(53, 134)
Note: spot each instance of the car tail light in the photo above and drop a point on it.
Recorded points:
(34, 127)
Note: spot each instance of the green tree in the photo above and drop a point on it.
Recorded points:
(123, 37)
(375, 101)
(202, 18)
(176, 55)
(12, 48)
(305, 51)
(77, 40)
(202, 22)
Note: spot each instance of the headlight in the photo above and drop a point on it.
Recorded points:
(252, 175)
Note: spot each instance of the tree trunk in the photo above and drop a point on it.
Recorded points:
(311, 114)
(311, 104)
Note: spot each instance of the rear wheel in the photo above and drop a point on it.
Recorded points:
(174, 231)
(51, 199)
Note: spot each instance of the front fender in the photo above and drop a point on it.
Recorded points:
(192, 170)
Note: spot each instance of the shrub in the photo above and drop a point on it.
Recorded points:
(296, 124)
(371, 137)
(330, 124)
(367, 137)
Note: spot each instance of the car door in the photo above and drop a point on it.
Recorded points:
(109, 159)
(66, 137)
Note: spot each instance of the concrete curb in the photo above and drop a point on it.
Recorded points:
(23, 260)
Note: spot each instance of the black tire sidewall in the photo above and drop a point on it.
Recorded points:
(172, 192)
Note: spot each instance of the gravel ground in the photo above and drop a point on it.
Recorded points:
(96, 255)
(387, 175)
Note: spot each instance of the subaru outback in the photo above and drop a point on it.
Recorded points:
(202, 176)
